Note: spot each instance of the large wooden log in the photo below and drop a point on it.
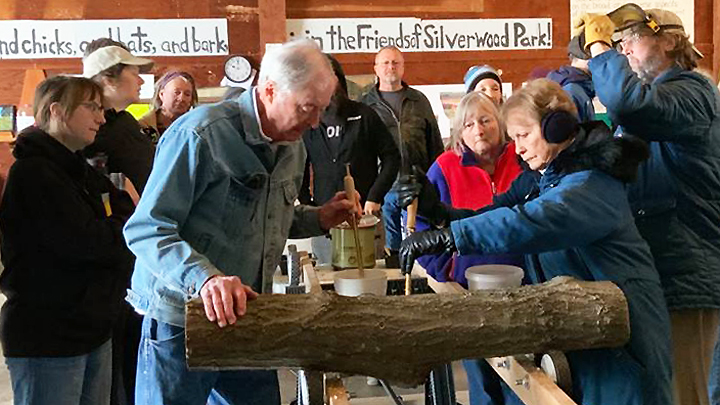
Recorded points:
(401, 338)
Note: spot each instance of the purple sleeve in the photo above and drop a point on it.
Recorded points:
(436, 265)
(437, 178)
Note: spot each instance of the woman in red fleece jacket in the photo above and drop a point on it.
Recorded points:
(480, 164)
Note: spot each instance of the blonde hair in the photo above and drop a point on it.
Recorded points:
(472, 102)
(69, 92)
(539, 97)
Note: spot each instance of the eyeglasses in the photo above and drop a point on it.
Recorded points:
(629, 41)
(92, 106)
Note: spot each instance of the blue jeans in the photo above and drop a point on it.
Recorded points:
(164, 379)
(83, 380)
(485, 385)
(714, 383)
(392, 221)
(714, 380)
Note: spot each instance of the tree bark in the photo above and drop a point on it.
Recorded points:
(401, 338)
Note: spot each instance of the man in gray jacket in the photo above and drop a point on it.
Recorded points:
(409, 117)
(214, 217)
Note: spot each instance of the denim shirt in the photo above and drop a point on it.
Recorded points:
(219, 201)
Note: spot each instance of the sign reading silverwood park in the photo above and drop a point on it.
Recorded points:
(37, 39)
(357, 35)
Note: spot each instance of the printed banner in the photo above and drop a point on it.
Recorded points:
(37, 39)
(354, 35)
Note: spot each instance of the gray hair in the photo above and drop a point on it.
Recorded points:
(294, 65)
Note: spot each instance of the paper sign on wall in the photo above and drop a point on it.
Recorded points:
(685, 9)
(368, 35)
(37, 39)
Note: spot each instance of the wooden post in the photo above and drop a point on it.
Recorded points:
(401, 338)
(272, 19)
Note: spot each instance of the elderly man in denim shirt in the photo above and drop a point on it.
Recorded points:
(213, 221)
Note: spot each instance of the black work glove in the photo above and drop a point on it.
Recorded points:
(416, 185)
(424, 243)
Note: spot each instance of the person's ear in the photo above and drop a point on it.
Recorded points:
(668, 42)
(269, 91)
(57, 112)
(107, 82)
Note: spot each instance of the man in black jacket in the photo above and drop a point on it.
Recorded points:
(349, 133)
(408, 115)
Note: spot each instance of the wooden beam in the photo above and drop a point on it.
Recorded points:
(531, 384)
(383, 8)
(272, 23)
(33, 77)
(312, 282)
(64, 9)
(449, 287)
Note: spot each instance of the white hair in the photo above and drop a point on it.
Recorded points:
(294, 65)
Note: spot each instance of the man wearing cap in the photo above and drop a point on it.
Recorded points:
(120, 145)
(575, 79)
(123, 152)
(217, 210)
(652, 92)
(486, 80)
(408, 115)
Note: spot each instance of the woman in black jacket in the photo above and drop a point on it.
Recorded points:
(66, 263)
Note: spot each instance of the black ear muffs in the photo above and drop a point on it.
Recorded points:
(558, 126)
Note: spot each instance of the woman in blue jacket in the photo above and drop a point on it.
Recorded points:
(574, 221)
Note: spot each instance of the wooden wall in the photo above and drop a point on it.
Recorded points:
(252, 23)
(450, 67)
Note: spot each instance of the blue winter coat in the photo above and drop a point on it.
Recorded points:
(676, 200)
(578, 223)
(579, 86)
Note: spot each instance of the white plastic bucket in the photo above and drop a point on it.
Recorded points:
(349, 284)
(490, 276)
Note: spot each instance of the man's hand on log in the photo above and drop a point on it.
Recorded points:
(424, 243)
(339, 209)
(225, 299)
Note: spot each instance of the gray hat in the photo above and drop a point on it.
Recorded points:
(575, 47)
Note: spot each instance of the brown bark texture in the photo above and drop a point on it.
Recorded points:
(401, 338)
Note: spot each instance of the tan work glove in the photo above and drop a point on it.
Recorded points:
(597, 28)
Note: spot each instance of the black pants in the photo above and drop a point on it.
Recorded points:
(126, 340)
